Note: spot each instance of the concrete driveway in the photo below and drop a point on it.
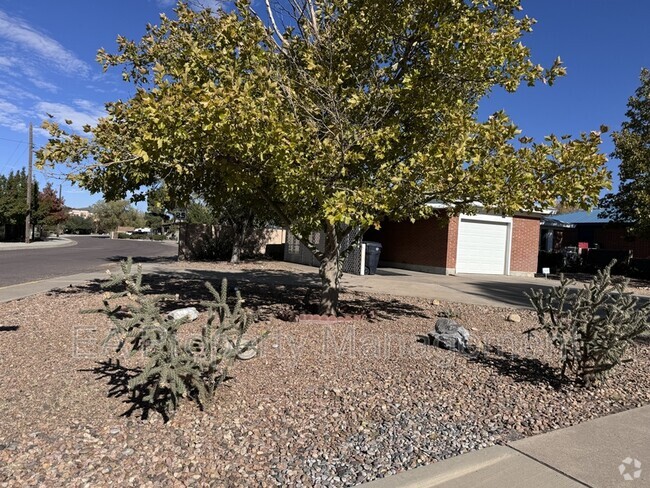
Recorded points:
(504, 291)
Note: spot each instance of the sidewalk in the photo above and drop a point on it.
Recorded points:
(607, 452)
(49, 243)
(23, 290)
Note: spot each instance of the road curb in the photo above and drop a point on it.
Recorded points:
(19, 291)
(61, 242)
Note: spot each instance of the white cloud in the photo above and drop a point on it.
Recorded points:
(8, 107)
(83, 112)
(11, 116)
(7, 61)
(48, 50)
(13, 92)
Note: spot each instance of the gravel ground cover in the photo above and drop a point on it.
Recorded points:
(322, 405)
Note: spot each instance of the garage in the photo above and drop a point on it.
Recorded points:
(477, 243)
(483, 245)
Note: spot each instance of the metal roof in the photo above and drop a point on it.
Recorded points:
(551, 223)
(582, 217)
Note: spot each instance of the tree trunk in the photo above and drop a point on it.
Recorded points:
(329, 302)
(239, 235)
(240, 231)
(235, 257)
(330, 272)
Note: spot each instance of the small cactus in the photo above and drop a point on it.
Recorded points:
(173, 371)
(593, 326)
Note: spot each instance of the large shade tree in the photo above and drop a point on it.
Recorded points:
(335, 114)
(631, 203)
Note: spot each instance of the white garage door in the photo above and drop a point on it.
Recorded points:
(482, 247)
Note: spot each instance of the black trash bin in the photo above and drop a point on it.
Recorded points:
(373, 250)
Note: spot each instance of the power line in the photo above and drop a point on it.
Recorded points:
(14, 140)
(16, 164)
(17, 160)
(6, 161)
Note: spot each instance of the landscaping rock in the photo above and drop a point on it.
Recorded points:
(248, 354)
(245, 355)
(513, 317)
(189, 313)
(449, 334)
(325, 405)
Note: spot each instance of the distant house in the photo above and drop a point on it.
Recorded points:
(80, 212)
(589, 230)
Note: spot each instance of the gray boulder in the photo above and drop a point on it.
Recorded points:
(189, 313)
(449, 334)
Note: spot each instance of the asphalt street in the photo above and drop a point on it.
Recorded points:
(90, 254)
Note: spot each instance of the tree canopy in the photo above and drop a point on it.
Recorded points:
(51, 209)
(354, 111)
(13, 199)
(632, 146)
(109, 215)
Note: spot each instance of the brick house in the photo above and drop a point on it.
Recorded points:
(594, 231)
(481, 244)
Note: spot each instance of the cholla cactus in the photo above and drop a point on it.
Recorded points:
(592, 326)
(174, 371)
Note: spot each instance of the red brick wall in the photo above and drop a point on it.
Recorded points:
(422, 243)
(611, 237)
(616, 238)
(432, 242)
(524, 244)
(452, 242)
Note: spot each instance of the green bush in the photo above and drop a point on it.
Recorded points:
(158, 237)
(591, 326)
(172, 370)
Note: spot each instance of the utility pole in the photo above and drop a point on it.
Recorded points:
(28, 216)
(58, 226)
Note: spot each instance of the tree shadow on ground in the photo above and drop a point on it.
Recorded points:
(508, 293)
(267, 292)
(514, 294)
(519, 368)
(144, 259)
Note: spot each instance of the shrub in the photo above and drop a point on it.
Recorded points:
(592, 326)
(173, 371)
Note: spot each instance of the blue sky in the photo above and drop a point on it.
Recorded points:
(48, 48)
